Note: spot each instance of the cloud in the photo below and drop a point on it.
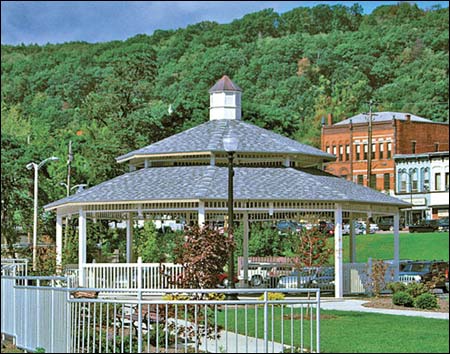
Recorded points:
(44, 22)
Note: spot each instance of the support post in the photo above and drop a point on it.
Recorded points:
(396, 245)
(59, 243)
(201, 214)
(81, 245)
(130, 238)
(352, 240)
(245, 248)
(338, 263)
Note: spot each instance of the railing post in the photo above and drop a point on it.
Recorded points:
(139, 285)
(266, 322)
(38, 312)
(52, 325)
(318, 321)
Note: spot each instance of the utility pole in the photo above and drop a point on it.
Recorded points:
(69, 162)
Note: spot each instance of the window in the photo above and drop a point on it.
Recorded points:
(446, 181)
(334, 150)
(229, 99)
(414, 180)
(328, 150)
(436, 147)
(381, 149)
(403, 178)
(358, 152)
(341, 153)
(373, 181)
(374, 147)
(347, 152)
(386, 182)
(413, 147)
(389, 150)
(426, 180)
(360, 179)
(365, 151)
(437, 182)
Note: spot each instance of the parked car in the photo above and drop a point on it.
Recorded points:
(257, 273)
(426, 271)
(277, 271)
(324, 279)
(443, 225)
(285, 226)
(424, 226)
(326, 227)
(296, 279)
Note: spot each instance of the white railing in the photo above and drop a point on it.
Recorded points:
(125, 275)
(61, 319)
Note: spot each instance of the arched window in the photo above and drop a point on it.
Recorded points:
(426, 179)
(414, 179)
(402, 179)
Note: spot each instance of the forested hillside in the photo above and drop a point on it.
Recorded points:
(110, 98)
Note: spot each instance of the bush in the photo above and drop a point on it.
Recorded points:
(402, 298)
(273, 297)
(426, 301)
(396, 287)
(416, 289)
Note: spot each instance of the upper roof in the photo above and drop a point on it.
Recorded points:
(208, 137)
(382, 117)
(210, 182)
(224, 84)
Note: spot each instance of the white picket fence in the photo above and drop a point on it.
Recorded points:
(126, 275)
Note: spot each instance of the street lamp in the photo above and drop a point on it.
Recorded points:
(36, 167)
(79, 186)
(230, 144)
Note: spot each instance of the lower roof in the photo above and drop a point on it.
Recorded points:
(211, 183)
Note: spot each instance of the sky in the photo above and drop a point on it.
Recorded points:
(44, 22)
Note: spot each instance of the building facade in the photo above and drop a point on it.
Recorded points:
(423, 181)
(393, 133)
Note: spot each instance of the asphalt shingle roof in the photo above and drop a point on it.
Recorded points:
(210, 182)
(208, 137)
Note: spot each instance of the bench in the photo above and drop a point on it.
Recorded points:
(147, 317)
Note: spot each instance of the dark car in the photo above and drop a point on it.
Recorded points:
(443, 225)
(425, 272)
(285, 226)
(424, 226)
(326, 227)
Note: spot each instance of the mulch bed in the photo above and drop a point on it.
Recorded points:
(385, 302)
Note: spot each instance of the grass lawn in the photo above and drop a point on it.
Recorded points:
(415, 246)
(354, 332)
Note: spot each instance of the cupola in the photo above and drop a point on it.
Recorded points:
(225, 100)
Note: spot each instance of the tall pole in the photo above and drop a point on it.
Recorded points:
(35, 216)
(369, 147)
(69, 161)
(230, 218)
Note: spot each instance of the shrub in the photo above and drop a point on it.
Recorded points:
(273, 297)
(426, 301)
(402, 298)
(395, 287)
(416, 289)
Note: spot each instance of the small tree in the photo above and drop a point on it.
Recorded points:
(203, 255)
(147, 244)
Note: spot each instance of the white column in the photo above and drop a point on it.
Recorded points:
(287, 162)
(201, 214)
(58, 243)
(352, 240)
(338, 264)
(396, 244)
(245, 247)
(81, 245)
(129, 238)
(213, 159)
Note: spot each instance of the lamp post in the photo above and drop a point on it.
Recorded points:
(36, 167)
(230, 144)
(79, 186)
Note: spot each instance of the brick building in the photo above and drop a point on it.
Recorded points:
(392, 133)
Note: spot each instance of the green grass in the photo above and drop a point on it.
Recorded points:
(352, 332)
(413, 246)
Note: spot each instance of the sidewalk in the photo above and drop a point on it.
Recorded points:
(356, 305)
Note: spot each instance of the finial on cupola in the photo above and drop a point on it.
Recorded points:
(225, 100)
